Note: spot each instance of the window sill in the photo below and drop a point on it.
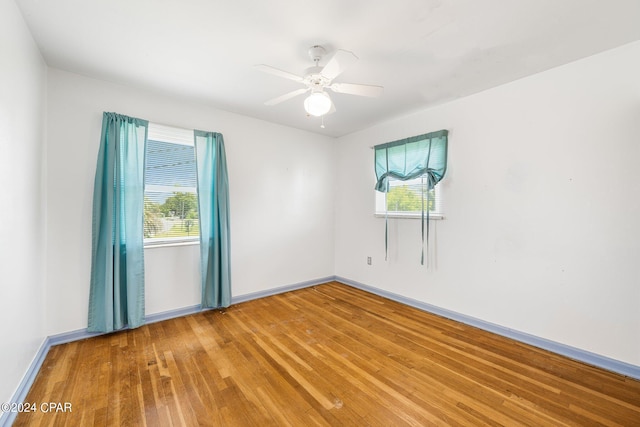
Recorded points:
(408, 215)
(169, 243)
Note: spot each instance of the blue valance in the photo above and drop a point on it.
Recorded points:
(411, 158)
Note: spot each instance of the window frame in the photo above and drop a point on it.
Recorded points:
(381, 203)
(171, 135)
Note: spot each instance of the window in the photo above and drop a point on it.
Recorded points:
(405, 169)
(404, 199)
(170, 192)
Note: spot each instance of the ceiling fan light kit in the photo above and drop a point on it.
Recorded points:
(317, 104)
(318, 78)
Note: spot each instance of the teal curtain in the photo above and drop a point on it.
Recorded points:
(213, 210)
(116, 297)
(409, 158)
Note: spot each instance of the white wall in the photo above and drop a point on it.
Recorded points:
(281, 195)
(542, 230)
(22, 96)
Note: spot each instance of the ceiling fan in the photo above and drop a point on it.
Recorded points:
(317, 79)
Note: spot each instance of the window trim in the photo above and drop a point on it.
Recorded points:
(402, 215)
(167, 243)
(172, 135)
(405, 214)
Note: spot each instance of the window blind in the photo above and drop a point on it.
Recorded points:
(171, 204)
(406, 198)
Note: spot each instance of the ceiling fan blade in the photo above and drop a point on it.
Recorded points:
(286, 96)
(278, 72)
(340, 61)
(357, 89)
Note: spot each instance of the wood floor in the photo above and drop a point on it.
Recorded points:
(326, 355)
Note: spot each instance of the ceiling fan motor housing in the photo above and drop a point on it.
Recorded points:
(314, 79)
(316, 53)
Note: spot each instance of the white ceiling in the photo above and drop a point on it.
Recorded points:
(424, 52)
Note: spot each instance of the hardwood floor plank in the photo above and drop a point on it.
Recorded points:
(325, 355)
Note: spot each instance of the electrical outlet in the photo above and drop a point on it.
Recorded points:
(369, 260)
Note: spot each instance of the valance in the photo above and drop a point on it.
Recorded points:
(411, 158)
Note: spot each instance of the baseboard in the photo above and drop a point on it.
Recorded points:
(574, 353)
(81, 334)
(281, 290)
(7, 418)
